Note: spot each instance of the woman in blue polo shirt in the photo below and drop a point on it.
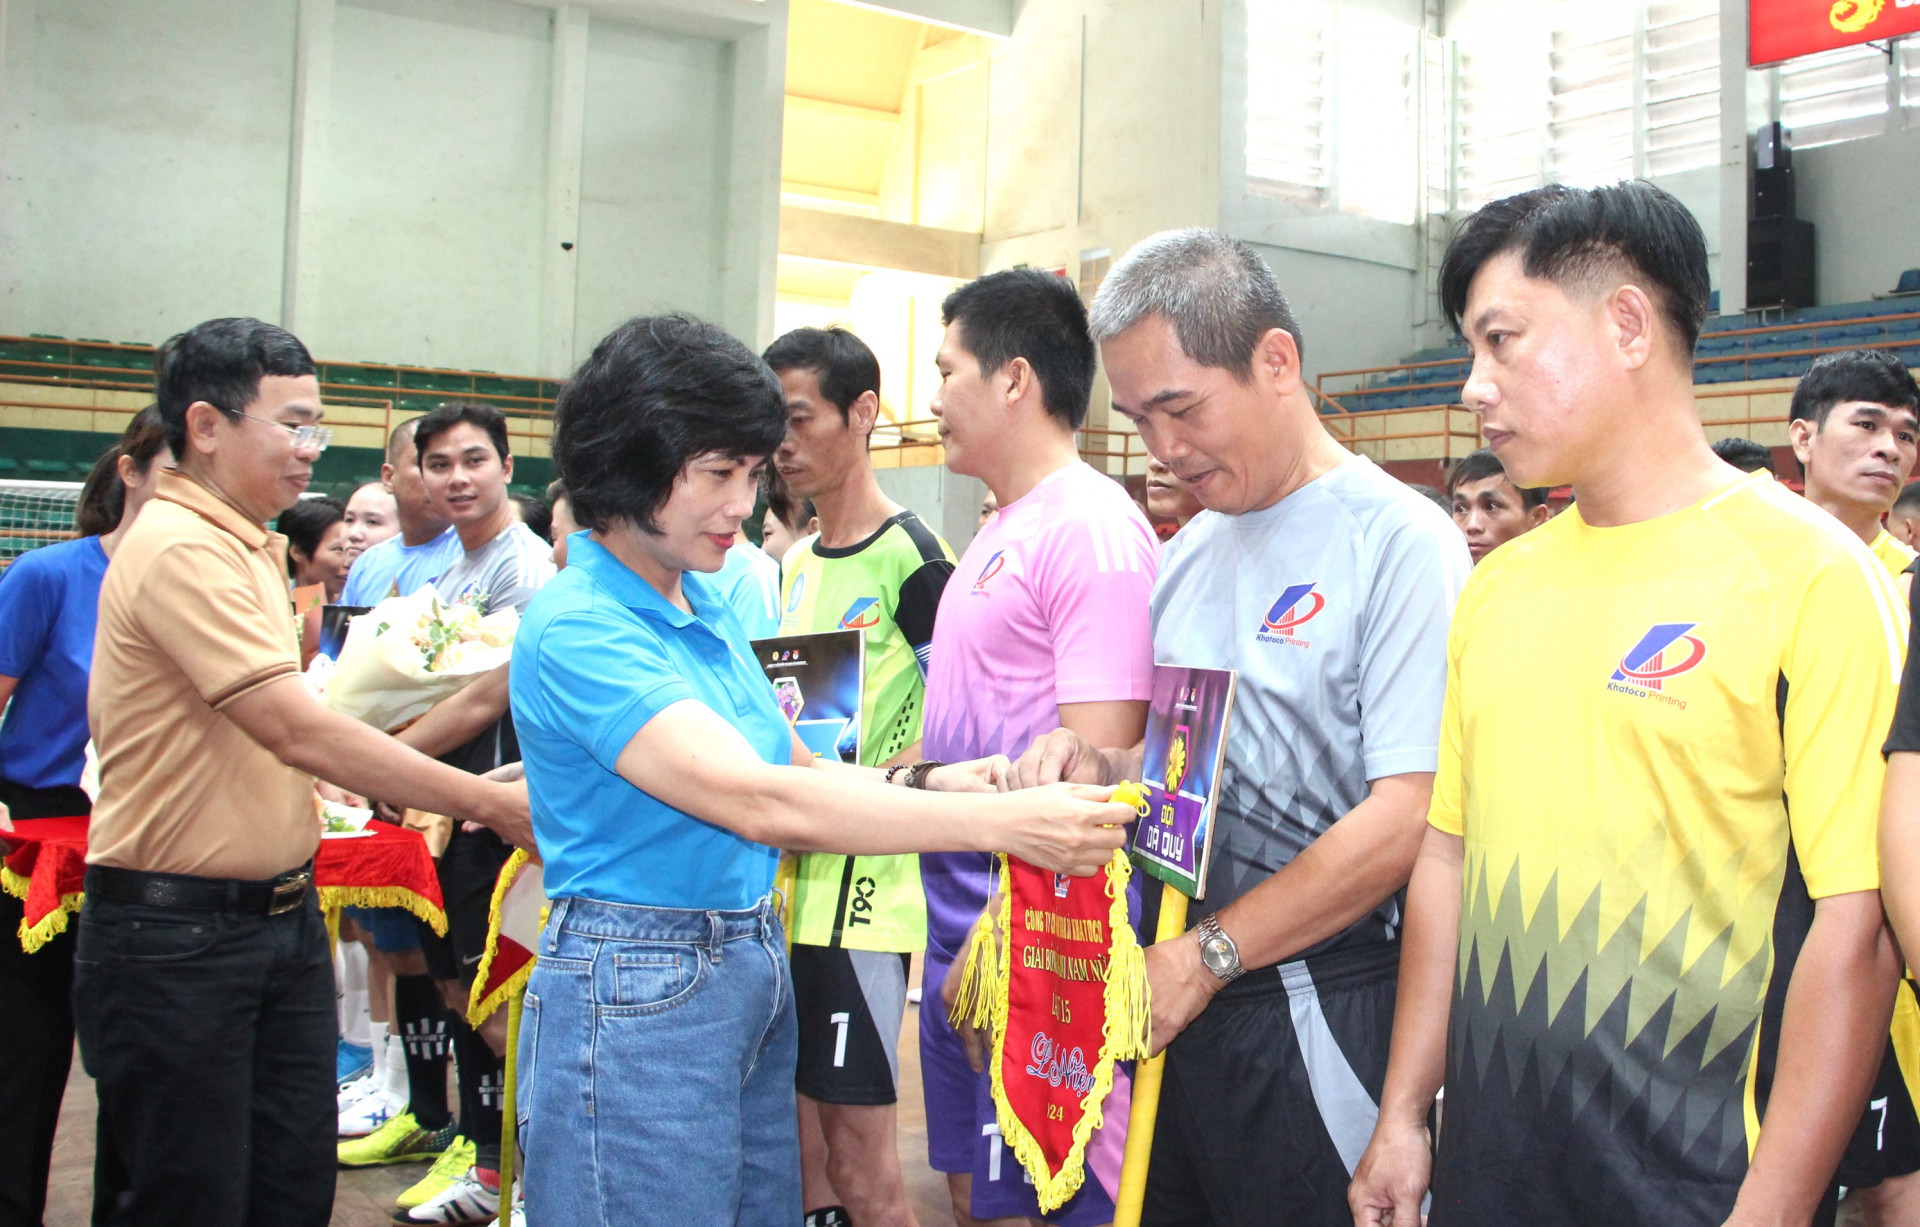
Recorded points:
(49, 598)
(658, 1043)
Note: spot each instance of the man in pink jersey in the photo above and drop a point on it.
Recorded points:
(1043, 625)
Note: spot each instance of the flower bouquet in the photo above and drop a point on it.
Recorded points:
(410, 652)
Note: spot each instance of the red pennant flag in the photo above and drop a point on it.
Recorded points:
(514, 921)
(1060, 980)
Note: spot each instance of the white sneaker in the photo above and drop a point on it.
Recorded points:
(369, 1112)
(519, 1216)
(465, 1201)
(353, 1092)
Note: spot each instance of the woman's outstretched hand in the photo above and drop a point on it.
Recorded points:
(1068, 828)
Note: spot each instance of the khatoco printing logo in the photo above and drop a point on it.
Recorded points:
(1664, 652)
(992, 569)
(864, 612)
(1296, 607)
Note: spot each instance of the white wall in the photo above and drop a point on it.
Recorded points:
(1100, 128)
(143, 163)
(432, 182)
(1352, 313)
(147, 152)
(947, 501)
(653, 202)
(1861, 198)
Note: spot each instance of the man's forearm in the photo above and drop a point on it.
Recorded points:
(1124, 764)
(355, 756)
(301, 733)
(1833, 1033)
(1429, 948)
(1900, 850)
(459, 718)
(1340, 877)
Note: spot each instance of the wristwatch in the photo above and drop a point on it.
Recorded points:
(1217, 950)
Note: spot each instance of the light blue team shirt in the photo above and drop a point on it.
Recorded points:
(750, 582)
(599, 653)
(1333, 605)
(394, 568)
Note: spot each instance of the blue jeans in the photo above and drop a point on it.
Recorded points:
(657, 1052)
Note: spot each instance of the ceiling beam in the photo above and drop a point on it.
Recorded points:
(872, 243)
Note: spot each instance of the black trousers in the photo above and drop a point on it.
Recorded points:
(210, 1038)
(36, 1017)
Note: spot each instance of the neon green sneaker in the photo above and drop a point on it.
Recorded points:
(449, 1167)
(400, 1140)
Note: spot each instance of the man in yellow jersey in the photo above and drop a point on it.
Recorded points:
(877, 568)
(1644, 948)
(1853, 425)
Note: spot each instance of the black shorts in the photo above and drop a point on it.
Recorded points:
(850, 1004)
(1271, 1095)
(468, 870)
(1887, 1141)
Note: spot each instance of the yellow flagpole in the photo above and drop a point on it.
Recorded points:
(1146, 1087)
(509, 1113)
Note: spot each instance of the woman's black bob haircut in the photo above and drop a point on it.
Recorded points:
(1579, 238)
(657, 392)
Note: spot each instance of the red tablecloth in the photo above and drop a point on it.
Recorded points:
(389, 868)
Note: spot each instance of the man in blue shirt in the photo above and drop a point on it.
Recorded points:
(427, 544)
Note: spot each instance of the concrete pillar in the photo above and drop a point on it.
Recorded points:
(312, 87)
(566, 131)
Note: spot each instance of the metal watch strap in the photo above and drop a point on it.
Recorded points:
(1211, 934)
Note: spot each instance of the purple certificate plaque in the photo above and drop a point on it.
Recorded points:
(1180, 769)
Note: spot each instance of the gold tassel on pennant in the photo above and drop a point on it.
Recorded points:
(1129, 1024)
(983, 977)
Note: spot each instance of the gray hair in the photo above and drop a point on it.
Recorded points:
(1215, 290)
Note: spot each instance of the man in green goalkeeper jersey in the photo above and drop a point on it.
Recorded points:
(876, 568)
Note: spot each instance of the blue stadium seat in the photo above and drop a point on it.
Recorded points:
(1852, 334)
(1785, 338)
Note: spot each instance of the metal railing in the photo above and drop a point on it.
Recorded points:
(383, 395)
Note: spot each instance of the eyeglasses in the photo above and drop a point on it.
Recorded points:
(315, 437)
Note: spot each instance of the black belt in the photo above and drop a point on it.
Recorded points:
(183, 892)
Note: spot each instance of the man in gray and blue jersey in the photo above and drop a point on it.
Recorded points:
(1328, 585)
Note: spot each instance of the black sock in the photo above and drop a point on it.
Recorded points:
(482, 1078)
(423, 1020)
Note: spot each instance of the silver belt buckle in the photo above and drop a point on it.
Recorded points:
(290, 894)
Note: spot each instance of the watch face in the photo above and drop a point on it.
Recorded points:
(1216, 954)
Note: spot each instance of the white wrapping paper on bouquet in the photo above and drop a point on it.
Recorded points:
(410, 652)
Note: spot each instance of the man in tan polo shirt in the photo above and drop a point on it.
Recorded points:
(203, 985)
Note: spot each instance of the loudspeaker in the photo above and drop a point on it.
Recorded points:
(1779, 262)
(1771, 189)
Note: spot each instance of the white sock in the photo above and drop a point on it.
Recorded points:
(376, 1037)
(393, 1067)
(350, 970)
